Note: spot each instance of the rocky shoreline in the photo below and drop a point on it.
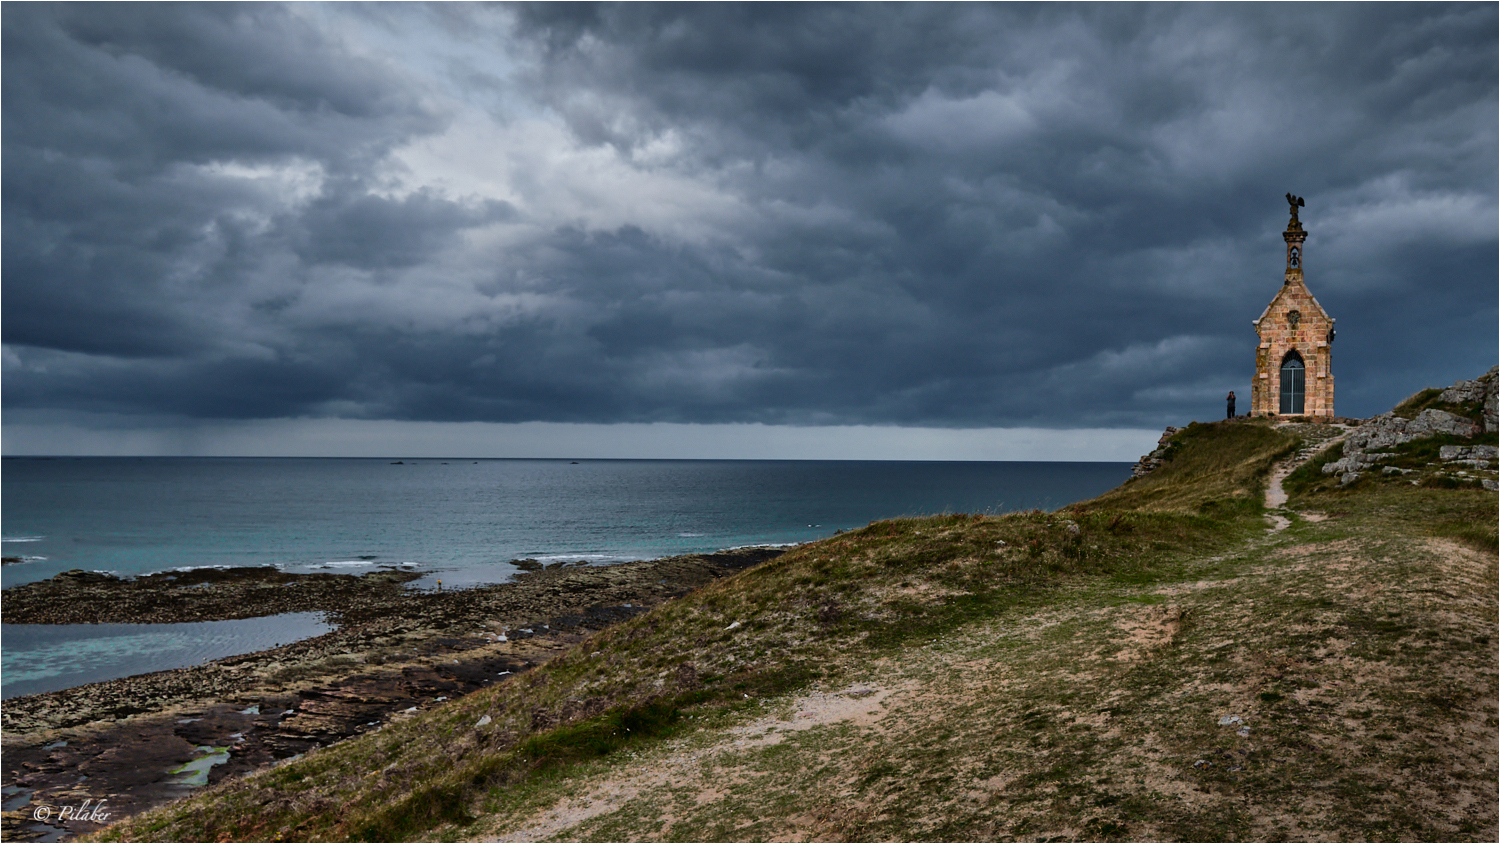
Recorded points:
(137, 742)
(208, 594)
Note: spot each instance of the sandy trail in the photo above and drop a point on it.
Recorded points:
(1276, 496)
(860, 704)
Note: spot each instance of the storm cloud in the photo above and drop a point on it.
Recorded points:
(946, 216)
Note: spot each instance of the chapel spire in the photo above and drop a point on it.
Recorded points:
(1294, 237)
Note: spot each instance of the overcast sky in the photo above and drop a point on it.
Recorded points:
(799, 230)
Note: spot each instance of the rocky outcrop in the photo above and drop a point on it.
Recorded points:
(1388, 430)
(1355, 462)
(1150, 461)
(1481, 453)
(1365, 446)
(1481, 389)
(91, 597)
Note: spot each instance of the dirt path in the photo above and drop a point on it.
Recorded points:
(859, 704)
(1276, 496)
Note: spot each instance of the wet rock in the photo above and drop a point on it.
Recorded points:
(79, 577)
(389, 576)
(84, 597)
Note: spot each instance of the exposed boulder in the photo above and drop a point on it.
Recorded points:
(1356, 461)
(1467, 452)
(1388, 429)
(1479, 390)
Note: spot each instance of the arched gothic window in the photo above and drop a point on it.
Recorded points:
(1293, 385)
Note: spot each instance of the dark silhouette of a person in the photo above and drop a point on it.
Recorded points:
(1230, 414)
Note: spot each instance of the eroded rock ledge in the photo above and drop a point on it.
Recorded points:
(87, 597)
(1366, 447)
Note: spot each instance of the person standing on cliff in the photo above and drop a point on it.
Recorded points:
(1230, 414)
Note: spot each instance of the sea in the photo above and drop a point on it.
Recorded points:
(459, 520)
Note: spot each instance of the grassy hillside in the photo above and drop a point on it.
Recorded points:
(1218, 468)
(1151, 664)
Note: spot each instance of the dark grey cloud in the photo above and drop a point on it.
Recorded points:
(926, 214)
(353, 227)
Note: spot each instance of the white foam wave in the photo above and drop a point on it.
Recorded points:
(588, 558)
(22, 538)
(346, 564)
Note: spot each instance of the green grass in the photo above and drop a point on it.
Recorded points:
(1442, 504)
(1218, 467)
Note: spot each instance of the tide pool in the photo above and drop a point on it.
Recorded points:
(47, 657)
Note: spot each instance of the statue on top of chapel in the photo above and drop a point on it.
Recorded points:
(1296, 202)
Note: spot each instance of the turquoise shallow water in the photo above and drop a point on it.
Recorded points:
(47, 657)
(464, 520)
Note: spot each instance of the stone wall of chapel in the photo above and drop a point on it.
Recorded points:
(1309, 338)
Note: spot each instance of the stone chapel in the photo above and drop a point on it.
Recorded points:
(1293, 365)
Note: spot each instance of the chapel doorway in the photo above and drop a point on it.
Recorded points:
(1293, 385)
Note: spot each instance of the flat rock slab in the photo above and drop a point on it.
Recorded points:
(87, 597)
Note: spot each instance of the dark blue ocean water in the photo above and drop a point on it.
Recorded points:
(462, 520)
